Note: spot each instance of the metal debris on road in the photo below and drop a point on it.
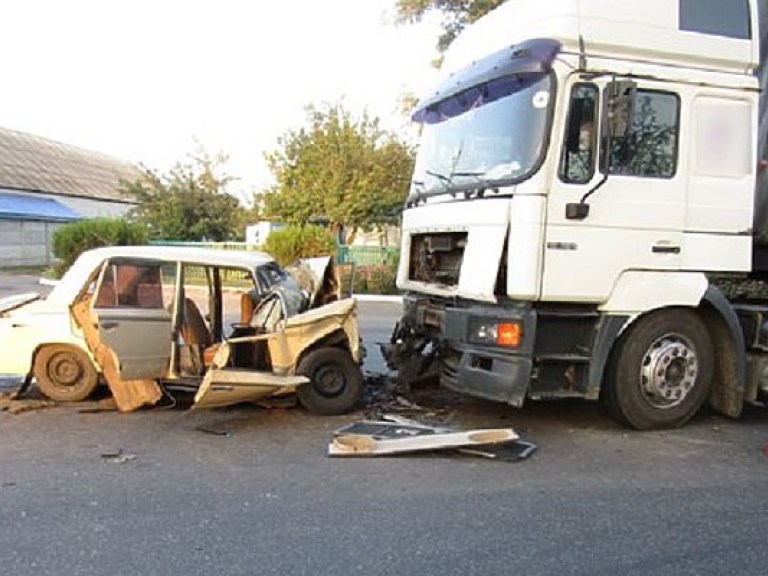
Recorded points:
(118, 457)
(513, 451)
(397, 435)
(214, 432)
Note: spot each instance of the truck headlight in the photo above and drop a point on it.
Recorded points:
(496, 332)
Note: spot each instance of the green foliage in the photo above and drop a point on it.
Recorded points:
(189, 203)
(293, 242)
(457, 14)
(74, 238)
(372, 279)
(348, 172)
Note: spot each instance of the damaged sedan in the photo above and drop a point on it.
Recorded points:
(230, 326)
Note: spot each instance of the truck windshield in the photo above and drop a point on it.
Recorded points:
(485, 144)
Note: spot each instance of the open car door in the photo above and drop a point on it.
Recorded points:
(275, 356)
(226, 383)
(133, 319)
(128, 330)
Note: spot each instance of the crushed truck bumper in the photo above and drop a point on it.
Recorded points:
(460, 343)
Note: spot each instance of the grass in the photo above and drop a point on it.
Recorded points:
(24, 270)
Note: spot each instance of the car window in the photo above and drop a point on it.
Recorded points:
(270, 275)
(131, 285)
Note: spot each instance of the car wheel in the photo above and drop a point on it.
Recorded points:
(65, 373)
(336, 383)
(660, 372)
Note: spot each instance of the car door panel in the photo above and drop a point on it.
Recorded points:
(133, 319)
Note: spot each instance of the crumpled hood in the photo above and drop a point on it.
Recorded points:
(17, 301)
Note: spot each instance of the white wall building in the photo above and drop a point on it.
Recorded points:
(43, 184)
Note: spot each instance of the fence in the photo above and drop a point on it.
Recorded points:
(358, 255)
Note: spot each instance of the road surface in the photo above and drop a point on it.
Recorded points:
(251, 491)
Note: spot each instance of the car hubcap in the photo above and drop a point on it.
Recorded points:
(64, 370)
(669, 370)
(329, 381)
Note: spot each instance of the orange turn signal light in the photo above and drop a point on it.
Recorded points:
(509, 334)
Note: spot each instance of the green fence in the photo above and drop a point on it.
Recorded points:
(368, 255)
(359, 255)
(372, 269)
(218, 245)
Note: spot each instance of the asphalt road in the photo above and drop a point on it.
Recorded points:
(265, 499)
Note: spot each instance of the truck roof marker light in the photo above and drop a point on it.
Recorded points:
(509, 334)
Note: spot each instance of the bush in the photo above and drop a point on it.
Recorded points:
(293, 242)
(73, 239)
(373, 279)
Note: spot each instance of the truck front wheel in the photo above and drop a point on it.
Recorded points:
(660, 372)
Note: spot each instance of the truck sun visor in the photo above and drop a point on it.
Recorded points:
(491, 78)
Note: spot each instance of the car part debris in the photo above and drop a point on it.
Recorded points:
(118, 457)
(508, 452)
(103, 405)
(400, 435)
(11, 403)
(214, 432)
(129, 394)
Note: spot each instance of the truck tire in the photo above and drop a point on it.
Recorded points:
(64, 373)
(660, 372)
(336, 383)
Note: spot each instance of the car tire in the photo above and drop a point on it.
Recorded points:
(660, 373)
(336, 382)
(65, 373)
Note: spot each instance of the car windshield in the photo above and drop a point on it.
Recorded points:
(485, 144)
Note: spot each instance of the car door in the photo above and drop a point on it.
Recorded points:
(228, 382)
(133, 316)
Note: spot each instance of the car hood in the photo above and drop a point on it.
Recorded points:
(17, 301)
(317, 278)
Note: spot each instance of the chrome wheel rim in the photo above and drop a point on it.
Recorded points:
(668, 371)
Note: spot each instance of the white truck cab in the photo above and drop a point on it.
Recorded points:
(584, 217)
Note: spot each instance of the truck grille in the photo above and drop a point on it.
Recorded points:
(436, 258)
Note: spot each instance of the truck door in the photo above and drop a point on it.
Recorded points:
(134, 318)
(636, 215)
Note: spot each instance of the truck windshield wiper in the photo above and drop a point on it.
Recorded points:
(442, 177)
(476, 174)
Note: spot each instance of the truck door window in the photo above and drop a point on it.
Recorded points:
(577, 164)
(649, 147)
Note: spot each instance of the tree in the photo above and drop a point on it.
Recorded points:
(347, 172)
(457, 14)
(188, 203)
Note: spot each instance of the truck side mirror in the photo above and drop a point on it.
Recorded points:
(619, 103)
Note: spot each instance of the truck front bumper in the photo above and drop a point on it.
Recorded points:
(490, 371)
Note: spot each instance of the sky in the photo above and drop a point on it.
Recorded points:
(147, 80)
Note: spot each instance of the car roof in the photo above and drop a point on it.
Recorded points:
(72, 282)
(188, 254)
